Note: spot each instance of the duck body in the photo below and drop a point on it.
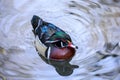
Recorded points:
(54, 46)
(45, 31)
(51, 41)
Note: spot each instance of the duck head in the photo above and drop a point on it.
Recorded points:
(61, 39)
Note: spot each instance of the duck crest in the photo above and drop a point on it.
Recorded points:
(60, 35)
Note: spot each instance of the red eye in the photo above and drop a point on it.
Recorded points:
(63, 40)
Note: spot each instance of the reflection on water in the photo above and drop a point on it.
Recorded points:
(94, 26)
(63, 68)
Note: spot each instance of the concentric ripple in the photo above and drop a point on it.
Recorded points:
(94, 26)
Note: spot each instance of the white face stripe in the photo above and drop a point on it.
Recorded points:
(61, 44)
(48, 53)
(51, 41)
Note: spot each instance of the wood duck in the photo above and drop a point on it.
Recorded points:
(53, 44)
(51, 41)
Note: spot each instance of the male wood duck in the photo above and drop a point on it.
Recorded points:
(52, 43)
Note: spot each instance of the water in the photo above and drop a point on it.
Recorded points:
(94, 26)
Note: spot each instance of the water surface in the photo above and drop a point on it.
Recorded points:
(94, 26)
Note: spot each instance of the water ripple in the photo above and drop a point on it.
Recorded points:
(94, 26)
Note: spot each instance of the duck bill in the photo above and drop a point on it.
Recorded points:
(71, 45)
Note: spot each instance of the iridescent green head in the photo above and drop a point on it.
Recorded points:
(61, 39)
(60, 35)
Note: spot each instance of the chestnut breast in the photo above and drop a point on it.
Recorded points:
(62, 53)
